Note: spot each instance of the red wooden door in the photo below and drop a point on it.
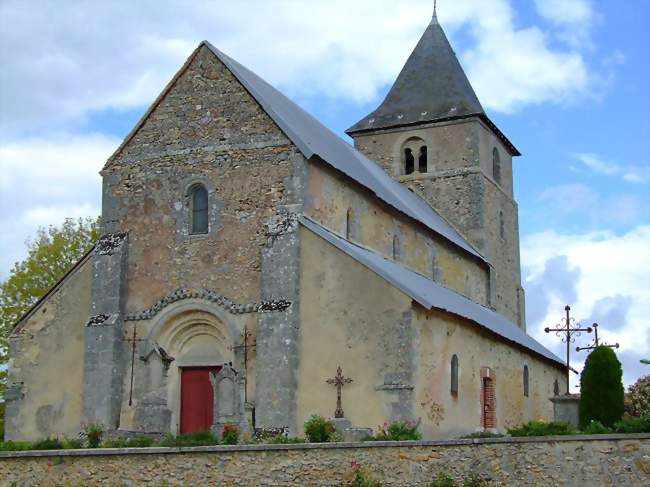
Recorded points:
(196, 399)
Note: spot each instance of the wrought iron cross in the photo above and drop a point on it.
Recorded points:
(596, 342)
(568, 334)
(133, 340)
(245, 346)
(338, 381)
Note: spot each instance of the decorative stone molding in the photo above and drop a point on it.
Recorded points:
(213, 297)
(110, 243)
(102, 319)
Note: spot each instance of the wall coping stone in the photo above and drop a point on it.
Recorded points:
(316, 446)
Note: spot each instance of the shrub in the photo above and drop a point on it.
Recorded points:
(398, 431)
(282, 440)
(48, 444)
(601, 386)
(596, 428)
(94, 433)
(638, 398)
(360, 478)
(133, 442)
(15, 445)
(319, 430)
(230, 435)
(632, 424)
(541, 428)
(443, 480)
(72, 443)
(193, 439)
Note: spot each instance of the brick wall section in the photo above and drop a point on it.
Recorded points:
(488, 398)
(605, 460)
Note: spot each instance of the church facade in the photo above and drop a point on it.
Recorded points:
(248, 252)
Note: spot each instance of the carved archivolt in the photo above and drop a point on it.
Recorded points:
(213, 297)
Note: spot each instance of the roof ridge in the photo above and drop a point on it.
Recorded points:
(314, 139)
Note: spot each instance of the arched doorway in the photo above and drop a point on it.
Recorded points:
(201, 343)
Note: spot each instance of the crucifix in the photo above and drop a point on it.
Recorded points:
(338, 381)
(134, 340)
(568, 332)
(245, 346)
(596, 342)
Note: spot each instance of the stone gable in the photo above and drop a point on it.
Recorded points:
(206, 128)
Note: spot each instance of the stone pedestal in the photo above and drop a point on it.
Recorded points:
(344, 427)
(566, 409)
(228, 386)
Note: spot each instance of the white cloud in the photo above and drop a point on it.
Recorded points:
(609, 275)
(566, 11)
(63, 60)
(45, 180)
(630, 174)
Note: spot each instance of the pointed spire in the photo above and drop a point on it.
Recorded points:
(432, 86)
(434, 19)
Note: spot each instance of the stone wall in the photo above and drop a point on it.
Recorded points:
(614, 460)
(47, 348)
(459, 184)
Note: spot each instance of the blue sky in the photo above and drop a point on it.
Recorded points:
(566, 80)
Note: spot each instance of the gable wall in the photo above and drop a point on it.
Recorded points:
(46, 363)
(209, 129)
(375, 224)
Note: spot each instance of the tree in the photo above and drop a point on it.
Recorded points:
(50, 255)
(638, 395)
(601, 386)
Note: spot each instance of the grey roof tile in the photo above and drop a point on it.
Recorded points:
(314, 139)
(431, 87)
(430, 294)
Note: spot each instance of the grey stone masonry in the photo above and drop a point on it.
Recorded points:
(103, 361)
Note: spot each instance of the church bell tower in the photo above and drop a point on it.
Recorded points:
(432, 135)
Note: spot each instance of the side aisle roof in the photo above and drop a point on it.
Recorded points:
(430, 294)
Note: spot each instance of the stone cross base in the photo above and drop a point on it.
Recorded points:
(566, 409)
(344, 427)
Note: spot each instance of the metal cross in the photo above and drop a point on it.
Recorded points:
(568, 334)
(245, 346)
(134, 340)
(338, 381)
(596, 342)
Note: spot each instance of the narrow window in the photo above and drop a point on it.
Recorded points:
(199, 207)
(348, 223)
(556, 388)
(454, 375)
(502, 225)
(496, 165)
(396, 248)
(526, 380)
(409, 161)
(422, 160)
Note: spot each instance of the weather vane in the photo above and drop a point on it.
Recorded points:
(568, 334)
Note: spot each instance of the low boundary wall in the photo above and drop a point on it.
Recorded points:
(602, 460)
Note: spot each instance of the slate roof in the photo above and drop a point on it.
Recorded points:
(430, 294)
(432, 87)
(314, 139)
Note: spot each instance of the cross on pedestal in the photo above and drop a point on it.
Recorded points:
(338, 381)
(133, 340)
(568, 332)
(596, 342)
(245, 346)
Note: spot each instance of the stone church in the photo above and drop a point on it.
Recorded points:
(248, 253)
